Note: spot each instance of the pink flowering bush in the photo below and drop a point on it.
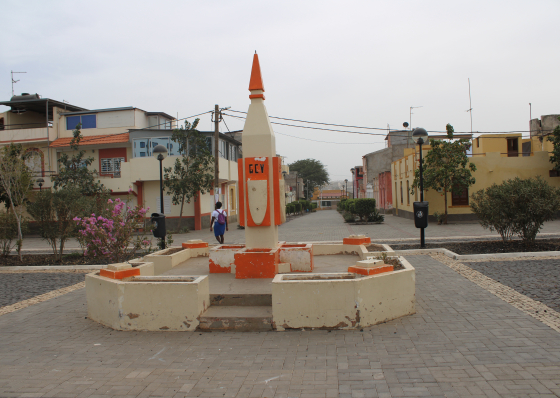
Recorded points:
(112, 235)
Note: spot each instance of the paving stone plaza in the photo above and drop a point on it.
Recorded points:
(480, 330)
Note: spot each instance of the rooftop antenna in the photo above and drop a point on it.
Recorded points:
(14, 81)
(470, 104)
(411, 108)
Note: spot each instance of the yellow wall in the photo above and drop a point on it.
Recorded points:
(495, 143)
(492, 168)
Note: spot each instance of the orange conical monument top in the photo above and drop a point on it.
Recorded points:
(256, 82)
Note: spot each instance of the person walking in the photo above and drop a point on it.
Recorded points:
(220, 223)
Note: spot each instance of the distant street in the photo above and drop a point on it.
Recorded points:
(328, 225)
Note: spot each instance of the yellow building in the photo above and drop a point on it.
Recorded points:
(120, 141)
(498, 157)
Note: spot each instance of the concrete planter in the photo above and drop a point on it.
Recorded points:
(166, 303)
(164, 262)
(339, 248)
(222, 258)
(299, 256)
(342, 300)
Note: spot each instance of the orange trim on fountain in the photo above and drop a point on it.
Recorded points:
(125, 273)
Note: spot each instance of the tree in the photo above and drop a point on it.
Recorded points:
(555, 139)
(517, 206)
(313, 173)
(54, 212)
(74, 170)
(193, 171)
(16, 180)
(446, 167)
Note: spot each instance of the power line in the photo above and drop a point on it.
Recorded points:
(318, 128)
(379, 128)
(184, 118)
(354, 132)
(330, 142)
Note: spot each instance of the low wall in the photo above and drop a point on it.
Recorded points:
(164, 262)
(339, 248)
(163, 304)
(431, 219)
(342, 300)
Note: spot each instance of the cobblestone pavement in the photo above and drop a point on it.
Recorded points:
(328, 225)
(16, 287)
(462, 342)
(537, 279)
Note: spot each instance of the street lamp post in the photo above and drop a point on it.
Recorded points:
(353, 170)
(40, 181)
(160, 153)
(420, 135)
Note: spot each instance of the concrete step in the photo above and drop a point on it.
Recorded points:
(240, 299)
(239, 318)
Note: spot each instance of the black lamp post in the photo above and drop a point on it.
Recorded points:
(346, 190)
(353, 170)
(40, 181)
(420, 135)
(160, 153)
(297, 189)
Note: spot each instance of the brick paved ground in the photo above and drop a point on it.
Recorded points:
(537, 279)
(16, 287)
(462, 342)
(329, 226)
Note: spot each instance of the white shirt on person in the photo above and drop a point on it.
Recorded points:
(216, 212)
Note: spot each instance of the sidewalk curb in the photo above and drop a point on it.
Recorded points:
(52, 267)
(456, 256)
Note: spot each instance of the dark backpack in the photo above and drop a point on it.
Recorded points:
(221, 217)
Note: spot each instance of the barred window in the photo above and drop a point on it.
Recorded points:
(112, 165)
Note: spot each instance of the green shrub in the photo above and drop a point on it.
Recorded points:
(348, 217)
(364, 207)
(349, 206)
(313, 206)
(375, 217)
(297, 207)
(516, 207)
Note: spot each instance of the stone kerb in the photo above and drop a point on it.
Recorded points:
(164, 262)
(342, 300)
(151, 303)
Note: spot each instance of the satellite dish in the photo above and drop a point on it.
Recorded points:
(405, 124)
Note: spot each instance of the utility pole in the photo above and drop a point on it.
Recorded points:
(217, 118)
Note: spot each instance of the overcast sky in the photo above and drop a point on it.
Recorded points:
(361, 63)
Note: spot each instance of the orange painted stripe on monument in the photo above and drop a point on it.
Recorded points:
(241, 182)
(276, 175)
(256, 82)
(256, 96)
